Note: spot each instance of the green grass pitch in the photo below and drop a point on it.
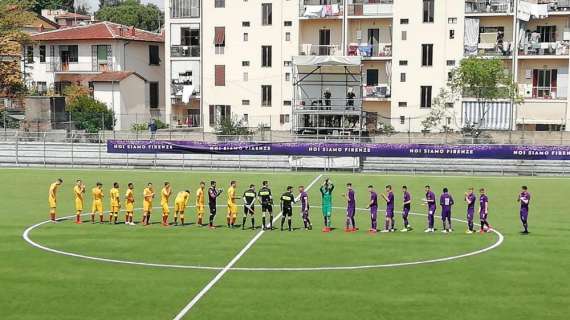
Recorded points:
(525, 278)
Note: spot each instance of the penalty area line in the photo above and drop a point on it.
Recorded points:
(230, 264)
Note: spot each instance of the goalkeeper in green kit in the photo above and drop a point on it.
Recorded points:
(326, 193)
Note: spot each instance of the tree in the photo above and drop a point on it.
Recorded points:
(53, 4)
(90, 115)
(437, 118)
(232, 126)
(13, 16)
(132, 13)
(486, 80)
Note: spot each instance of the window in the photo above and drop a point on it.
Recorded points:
(69, 54)
(288, 23)
(404, 21)
(404, 35)
(286, 102)
(449, 105)
(219, 75)
(266, 14)
(451, 34)
(403, 62)
(245, 118)
(245, 102)
(428, 11)
(41, 87)
(245, 63)
(153, 93)
(189, 37)
(245, 36)
(403, 77)
(29, 54)
(219, 3)
(402, 104)
(153, 56)
(266, 96)
(283, 118)
(287, 36)
(425, 98)
(286, 63)
(100, 55)
(266, 56)
(372, 77)
(219, 113)
(245, 24)
(452, 20)
(544, 83)
(287, 76)
(245, 76)
(547, 33)
(450, 63)
(220, 39)
(427, 55)
(402, 119)
(449, 76)
(185, 8)
(42, 53)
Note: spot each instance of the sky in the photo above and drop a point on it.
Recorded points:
(94, 4)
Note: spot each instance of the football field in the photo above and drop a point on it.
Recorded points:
(102, 271)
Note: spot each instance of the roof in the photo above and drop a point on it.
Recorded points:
(72, 15)
(107, 76)
(99, 31)
(41, 21)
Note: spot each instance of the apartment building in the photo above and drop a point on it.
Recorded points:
(405, 49)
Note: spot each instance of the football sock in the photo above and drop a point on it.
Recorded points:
(253, 223)
(482, 225)
(289, 223)
(263, 222)
(228, 221)
(282, 222)
(243, 223)
(271, 221)
(211, 220)
(353, 222)
(182, 221)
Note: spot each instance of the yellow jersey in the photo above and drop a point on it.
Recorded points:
(165, 195)
(148, 195)
(78, 193)
(182, 197)
(114, 194)
(231, 196)
(97, 194)
(200, 197)
(53, 192)
(129, 196)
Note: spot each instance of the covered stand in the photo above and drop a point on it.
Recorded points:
(327, 97)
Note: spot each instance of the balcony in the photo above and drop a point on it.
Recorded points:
(368, 51)
(558, 48)
(542, 92)
(488, 6)
(368, 8)
(380, 92)
(308, 49)
(184, 9)
(184, 51)
(317, 9)
(556, 5)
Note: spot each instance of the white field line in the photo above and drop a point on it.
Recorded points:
(220, 274)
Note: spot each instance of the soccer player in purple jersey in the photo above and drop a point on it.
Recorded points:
(305, 208)
(446, 202)
(430, 203)
(350, 209)
(373, 206)
(484, 211)
(389, 198)
(470, 199)
(524, 199)
(406, 210)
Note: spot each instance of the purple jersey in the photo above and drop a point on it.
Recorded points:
(390, 201)
(483, 201)
(407, 197)
(524, 197)
(373, 200)
(430, 198)
(351, 201)
(304, 201)
(446, 201)
(471, 199)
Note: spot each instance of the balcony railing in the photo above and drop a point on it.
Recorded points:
(556, 5)
(184, 51)
(541, 92)
(370, 51)
(316, 9)
(381, 91)
(558, 48)
(308, 49)
(488, 6)
(332, 105)
(370, 8)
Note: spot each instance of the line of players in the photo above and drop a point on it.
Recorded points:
(265, 198)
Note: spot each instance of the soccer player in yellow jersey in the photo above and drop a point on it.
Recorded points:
(200, 203)
(129, 204)
(97, 206)
(148, 195)
(164, 197)
(52, 198)
(79, 193)
(232, 207)
(115, 196)
(180, 203)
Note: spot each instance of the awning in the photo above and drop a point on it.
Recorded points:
(220, 36)
(327, 64)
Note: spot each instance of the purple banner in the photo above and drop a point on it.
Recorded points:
(344, 149)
